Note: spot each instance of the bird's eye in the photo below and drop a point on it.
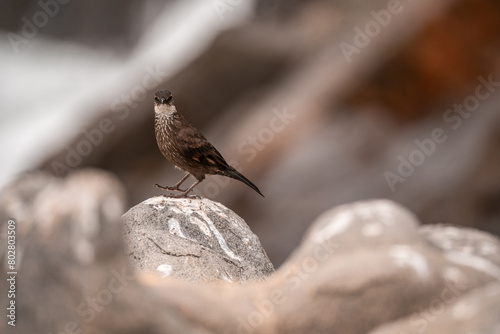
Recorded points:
(157, 99)
(169, 98)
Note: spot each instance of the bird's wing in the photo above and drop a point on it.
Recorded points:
(195, 146)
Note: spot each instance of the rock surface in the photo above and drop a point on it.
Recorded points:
(381, 269)
(68, 243)
(365, 267)
(193, 239)
(476, 312)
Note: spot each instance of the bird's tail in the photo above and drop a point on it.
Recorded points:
(233, 173)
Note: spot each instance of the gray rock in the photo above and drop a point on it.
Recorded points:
(477, 312)
(194, 240)
(467, 241)
(458, 310)
(365, 264)
(68, 245)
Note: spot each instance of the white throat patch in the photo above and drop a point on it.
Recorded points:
(165, 109)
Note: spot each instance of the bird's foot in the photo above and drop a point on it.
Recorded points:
(169, 188)
(172, 196)
(178, 196)
(184, 195)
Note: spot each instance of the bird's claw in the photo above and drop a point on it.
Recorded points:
(182, 196)
(169, 188)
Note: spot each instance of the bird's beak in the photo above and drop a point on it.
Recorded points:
(163, 100)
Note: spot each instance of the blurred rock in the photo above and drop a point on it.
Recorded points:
(68, 241)
(360, 267)
(194, 240)
(380, 268)
(467, 241)
(477, 312)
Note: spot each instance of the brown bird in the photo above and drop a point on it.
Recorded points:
(184, 146)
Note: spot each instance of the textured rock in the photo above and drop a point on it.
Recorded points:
(193, 239)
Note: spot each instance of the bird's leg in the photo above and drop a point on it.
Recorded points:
(176, 187)
(188, 190)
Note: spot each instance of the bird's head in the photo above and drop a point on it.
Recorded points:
(164, 102)
(164, 97)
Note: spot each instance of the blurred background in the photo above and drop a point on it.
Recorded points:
(319, 103)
